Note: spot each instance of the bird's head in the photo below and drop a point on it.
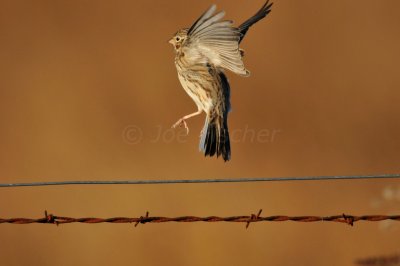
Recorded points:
(178, 39)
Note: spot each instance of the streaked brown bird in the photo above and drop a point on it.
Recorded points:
(203, 52)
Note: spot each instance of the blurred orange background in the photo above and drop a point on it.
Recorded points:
(89, 90)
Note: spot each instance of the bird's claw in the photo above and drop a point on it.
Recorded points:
(181, 122)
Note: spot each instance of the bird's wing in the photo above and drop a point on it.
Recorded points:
(216, 42)
(264, 10)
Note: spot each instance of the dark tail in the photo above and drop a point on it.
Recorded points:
(215, 135)
(215, 138)
(262, 13)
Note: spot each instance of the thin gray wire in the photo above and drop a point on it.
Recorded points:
(196, 181)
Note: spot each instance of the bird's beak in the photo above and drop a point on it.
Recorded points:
(171, 41)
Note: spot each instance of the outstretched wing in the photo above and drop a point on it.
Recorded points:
(262, 13)
(213, 41)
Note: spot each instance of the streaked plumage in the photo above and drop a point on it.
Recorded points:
(203, 52)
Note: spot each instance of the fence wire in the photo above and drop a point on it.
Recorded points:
(343, 218)
(391, 260)
(196, 181)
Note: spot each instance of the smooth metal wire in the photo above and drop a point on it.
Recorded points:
(198, 181)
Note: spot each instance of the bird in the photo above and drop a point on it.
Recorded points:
(203, 53)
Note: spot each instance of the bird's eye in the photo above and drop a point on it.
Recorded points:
(177, 39)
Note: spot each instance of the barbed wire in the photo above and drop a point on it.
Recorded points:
(343, 218)
(193, 181)
(379, 261)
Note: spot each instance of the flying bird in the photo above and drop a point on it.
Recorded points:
(202, 53)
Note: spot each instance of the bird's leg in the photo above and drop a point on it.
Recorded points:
(182, 121)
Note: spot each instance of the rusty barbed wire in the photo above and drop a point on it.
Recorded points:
(343, 218)
(379, 261)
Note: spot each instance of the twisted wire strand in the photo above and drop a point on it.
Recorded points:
(196, 181)
(343, 218)
(385, 260)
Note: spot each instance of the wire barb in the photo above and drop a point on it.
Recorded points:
(253, 218)
(348, 219)
(142, 219)
(50, 218)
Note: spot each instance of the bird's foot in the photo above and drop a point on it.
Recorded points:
(181, 122)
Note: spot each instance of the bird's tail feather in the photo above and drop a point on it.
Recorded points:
(215, 138)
